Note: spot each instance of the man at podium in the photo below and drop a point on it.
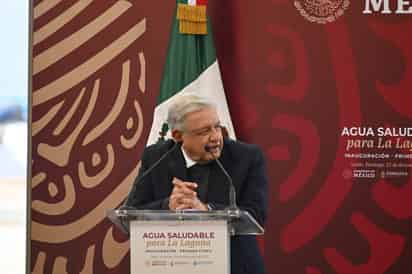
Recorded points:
(183, 174)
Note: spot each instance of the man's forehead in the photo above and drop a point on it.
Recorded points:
(202, 118)
(204, 113)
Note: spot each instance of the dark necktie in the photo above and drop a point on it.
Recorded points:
(200, 175)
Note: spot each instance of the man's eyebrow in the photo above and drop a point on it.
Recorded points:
(202, 128)
(207, 127)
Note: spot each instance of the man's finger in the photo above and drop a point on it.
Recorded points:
(175, 180)
(184, 193)
(180, 183)
(183, 206)
(175, 200)
(187, 201)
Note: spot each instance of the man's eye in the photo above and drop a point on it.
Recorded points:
(204, 132)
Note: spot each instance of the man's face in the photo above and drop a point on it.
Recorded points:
(202, 129)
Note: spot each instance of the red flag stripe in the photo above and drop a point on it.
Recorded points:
(201, 2)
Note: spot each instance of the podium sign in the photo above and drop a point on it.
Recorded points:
(184, 247)
(183, 242)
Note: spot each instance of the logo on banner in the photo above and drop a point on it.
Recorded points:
(321, 11)
(364, 173)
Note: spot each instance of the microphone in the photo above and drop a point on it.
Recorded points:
(145, 173)
(232, 191)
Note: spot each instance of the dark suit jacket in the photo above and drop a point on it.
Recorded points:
(244, 162)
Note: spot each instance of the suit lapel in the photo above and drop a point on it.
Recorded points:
(177, 165)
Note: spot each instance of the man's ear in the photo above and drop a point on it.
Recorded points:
(177, 135)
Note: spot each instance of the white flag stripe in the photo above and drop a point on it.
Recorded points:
(207, 85)
(191, 2)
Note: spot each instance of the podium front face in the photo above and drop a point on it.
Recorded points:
(184, 247)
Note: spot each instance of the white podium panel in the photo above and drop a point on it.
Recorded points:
(184, 247)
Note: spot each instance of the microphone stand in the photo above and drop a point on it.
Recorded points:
(144, 174)
(233, 210)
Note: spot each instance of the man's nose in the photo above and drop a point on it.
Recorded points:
(214, 133)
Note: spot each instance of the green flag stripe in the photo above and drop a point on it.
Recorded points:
(188, 56)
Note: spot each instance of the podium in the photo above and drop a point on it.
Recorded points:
(186, 241)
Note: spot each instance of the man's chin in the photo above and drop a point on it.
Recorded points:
(211, 156)
(215, 153)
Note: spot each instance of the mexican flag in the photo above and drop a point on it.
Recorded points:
(191, 67)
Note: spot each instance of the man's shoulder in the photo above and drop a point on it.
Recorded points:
(239, 145)
(239, 148)
(158, 148)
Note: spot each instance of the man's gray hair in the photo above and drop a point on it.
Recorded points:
(184, 105)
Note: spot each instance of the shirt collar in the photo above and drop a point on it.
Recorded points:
(189, 162)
